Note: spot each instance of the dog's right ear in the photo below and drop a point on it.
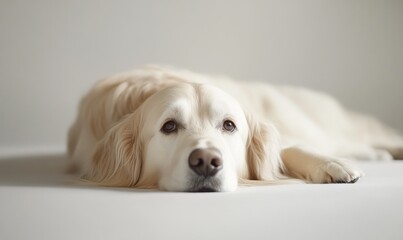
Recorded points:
(118, 156)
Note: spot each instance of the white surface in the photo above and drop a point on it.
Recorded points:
(39, 201)
(51, 52)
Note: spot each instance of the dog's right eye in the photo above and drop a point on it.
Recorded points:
(229, 126)
(169, 127)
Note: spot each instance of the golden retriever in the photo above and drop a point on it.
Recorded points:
(180, 131)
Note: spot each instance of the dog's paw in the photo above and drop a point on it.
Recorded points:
(381, 155)
(337, 171)
(371, 155)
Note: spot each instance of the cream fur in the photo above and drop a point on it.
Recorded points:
(281, 131)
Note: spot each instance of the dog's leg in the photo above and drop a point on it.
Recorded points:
(395, 151)
(363, 152)
(373, 133)
(299, 162)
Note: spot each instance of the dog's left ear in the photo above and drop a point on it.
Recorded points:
(263, 151)
(118, 156)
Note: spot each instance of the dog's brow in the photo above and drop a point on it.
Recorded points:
(177, 110)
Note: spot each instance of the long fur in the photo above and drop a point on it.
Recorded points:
(107, 144)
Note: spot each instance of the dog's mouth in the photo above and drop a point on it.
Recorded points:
(202, 184)
(204, 189)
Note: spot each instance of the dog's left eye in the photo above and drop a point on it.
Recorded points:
(229, 126)
(169, 127)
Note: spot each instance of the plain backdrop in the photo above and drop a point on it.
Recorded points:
(51, 52)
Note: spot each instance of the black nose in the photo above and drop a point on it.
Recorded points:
(205, 161)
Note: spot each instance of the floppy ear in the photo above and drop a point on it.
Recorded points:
(118, 156)
(263, 151)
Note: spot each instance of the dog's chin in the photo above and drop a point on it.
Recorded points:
(202, 184)
(204, 189)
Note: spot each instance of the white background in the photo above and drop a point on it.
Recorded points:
(51, 52)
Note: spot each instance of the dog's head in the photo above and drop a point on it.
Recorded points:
(187, 137)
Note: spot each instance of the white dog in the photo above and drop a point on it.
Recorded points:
(180, 131)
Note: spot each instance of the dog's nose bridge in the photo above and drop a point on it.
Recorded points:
(205, 142)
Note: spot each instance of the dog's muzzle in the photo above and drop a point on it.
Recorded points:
(205, 163)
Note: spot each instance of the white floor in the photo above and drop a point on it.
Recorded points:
(39, 201)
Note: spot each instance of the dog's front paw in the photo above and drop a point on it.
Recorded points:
(337, 171)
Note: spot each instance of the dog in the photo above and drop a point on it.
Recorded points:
(176, 130)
